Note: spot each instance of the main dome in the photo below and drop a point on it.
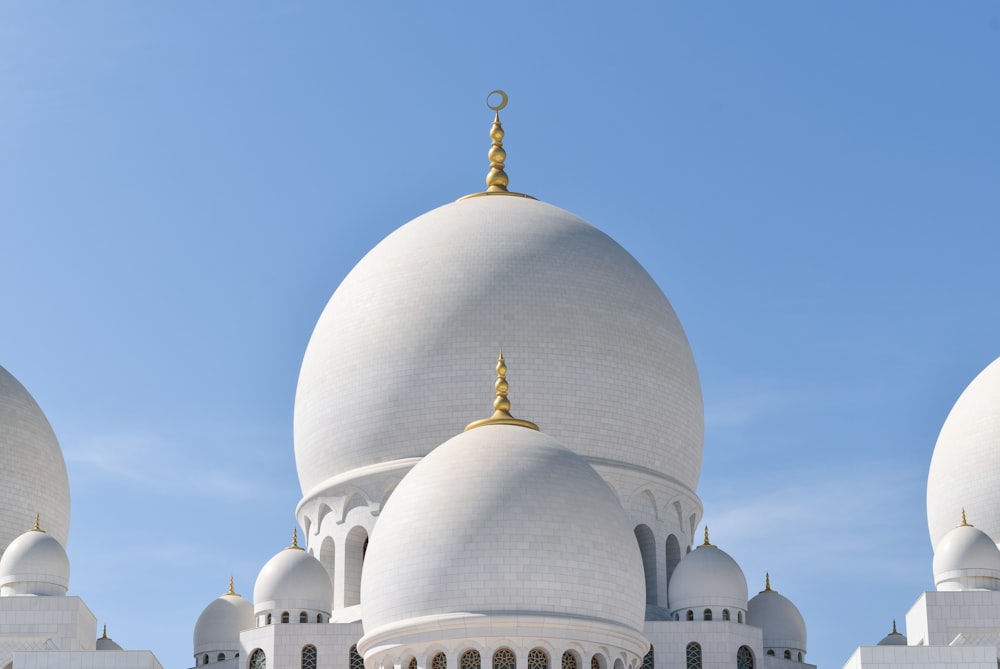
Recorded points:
(33, 478)
(965, 467)
(394, 365)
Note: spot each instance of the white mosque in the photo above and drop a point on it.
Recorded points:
(442, 532)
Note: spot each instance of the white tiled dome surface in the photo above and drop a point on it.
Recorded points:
(33, 477)
(219, 625)
(502, 520)
(783, 624)
(399, 358)
(708, 576)
(293, 579)
(965, 467)
(35, 563)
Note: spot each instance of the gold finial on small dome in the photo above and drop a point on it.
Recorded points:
(894, 626)
(497, 180)
(105, 634)
(964, 522)
(37, 527)
(501, 405)
(232, 589)
(707, 542)
(295, 539)
(767, 581)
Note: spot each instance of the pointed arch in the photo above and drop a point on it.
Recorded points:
(647, 548)
(354, 556)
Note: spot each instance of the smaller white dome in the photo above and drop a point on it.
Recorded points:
(293, 581)
(106, 643)
(783, 625)
(893, 638)
(966, 558)
(35, 563)
(219, 625)
(707, 577)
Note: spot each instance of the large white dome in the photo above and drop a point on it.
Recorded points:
(965, 467)
(502, 522)
(394, 366)
(293, 580)
(33, 478)
(35, 563)
(219, 625)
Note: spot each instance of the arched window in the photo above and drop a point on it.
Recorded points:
(303, 617)
(309, 657)
(439, 662)
(284, 616)
(647, 661)
(739, 617)
(690, 615)
(267, 619)
(503, 658)
(770, 652)
(413, 663)
(693, 655)
(205, 659)
(569, 660)
(647, 549)
(788, 654)
(470, 660)
(319, 617)
(258, 660)
(708, 614)
(354, 659)
(677, 616)
(800, 656)
(220, 657)
(725, 614)
(595, 663)
(538, 659)
(354, 557)
(744, 658)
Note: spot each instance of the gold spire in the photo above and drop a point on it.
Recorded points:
(767, 581)
(497, 180)
(105, 635)
(37, 527)
(707, 542)
(295, 539)
(232, 590)
(894, 626)
(501, 405)
(964, 522)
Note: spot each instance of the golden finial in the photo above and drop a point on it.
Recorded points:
(497, 180)
(707, 542)
(37, 527)
(105, 635)
(964, 522)
(295, 539)
(501, 405)
(232, 590)
(894, 626)
(767, 581)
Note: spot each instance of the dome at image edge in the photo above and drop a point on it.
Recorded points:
(394, 365)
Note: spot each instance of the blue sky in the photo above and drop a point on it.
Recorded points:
(813, 185)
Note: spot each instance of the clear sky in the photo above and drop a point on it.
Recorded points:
(815, 186)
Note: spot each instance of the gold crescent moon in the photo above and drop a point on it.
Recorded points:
(503, 100)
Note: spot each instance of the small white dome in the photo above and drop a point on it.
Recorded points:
(35, 563)
(782, 623)
(33, 477)
(219, 625)
(293, 581)
(707, 577)
(965, 467)
(893, 638)
(104, 642)
(966, 559)
(497, 524)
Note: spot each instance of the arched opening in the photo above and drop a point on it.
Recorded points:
(598, 662)
(569, 661)
(707, 615)
(303, 617)
(690, 615)
(354, 556)
(319, 617)
(327, 553)
(744, 658)
(309, 657)
(439, 662)
(503, 658)
(693, 655)
(284, 616)
(205, 659)
(800, 656)
(739, 617)
(619, 664)
(788, 654)
(267, 619)
(258, 660)
(354, 659)
(470, 660)
(647, 660)
(770, 652)
(538, 659)
(672, 550)
(412, 664)
(725, 614)
(647, 547)
(221, 657)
